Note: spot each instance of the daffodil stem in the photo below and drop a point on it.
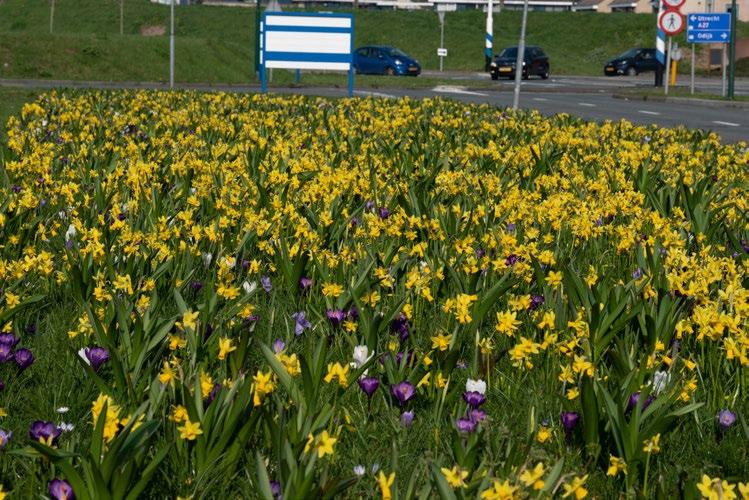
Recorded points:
(645, 481)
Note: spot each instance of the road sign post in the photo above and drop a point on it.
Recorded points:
(672, 23)
(520, 58)
(441, 15)
(732, 49)
(489, 38)
(691, 82)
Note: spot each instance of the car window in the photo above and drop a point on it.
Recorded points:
(362, 52)
(629, 53)
(647, 55)
(374, 53)
(511, 52)
(397, 53)
(540, 53)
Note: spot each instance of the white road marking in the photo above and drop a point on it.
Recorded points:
(727, 124)
(656, 113)
(540, 99)
(449, 89)
(367, 93)
(587, 104)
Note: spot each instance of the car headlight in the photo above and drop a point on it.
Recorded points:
(398, 62)
(493, 64)
(523, 63)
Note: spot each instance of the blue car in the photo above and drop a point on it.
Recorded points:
(380, 60)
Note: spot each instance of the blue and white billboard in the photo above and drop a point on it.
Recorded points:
(307, 41)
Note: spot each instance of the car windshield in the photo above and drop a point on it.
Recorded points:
(630, 53)
(512, 52)
(397, 53)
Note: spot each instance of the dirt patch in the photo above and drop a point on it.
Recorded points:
(154, 30)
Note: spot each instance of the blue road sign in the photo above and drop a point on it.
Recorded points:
(709, 28)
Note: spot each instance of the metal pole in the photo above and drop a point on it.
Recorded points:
(691, 85)
(732, 50)
(442, 36)
(51, 16)
(171, 49)
(489, 37)
(520, 58)
(723, 92)
(257, 38)
(668, 64)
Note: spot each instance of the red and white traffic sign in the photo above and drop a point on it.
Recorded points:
(674, 4)
(671, 22)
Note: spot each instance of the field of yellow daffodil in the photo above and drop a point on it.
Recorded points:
(227, 296)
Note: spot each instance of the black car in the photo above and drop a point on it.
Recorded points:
(631, 63)
(535, 62)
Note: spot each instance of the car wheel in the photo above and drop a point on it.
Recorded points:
(526, 75)
(545, 74)
(631, 71)
(389, 71)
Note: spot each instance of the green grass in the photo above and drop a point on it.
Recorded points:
(11, 100)
(216, 44)
(677, 91)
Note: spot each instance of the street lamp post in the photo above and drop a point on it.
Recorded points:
(171, 48)
(520, 58)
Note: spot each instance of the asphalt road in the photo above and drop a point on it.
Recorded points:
(587, 97)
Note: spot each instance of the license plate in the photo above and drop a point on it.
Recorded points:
(413, 68)
(505, 70)
(609, 68)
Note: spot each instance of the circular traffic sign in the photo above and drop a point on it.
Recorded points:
(671, 22)
(674, 4)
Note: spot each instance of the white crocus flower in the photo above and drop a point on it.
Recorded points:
(660, 381)
(70, 233)
(476, 386)
(249, 287)
(361, 356)
(207, 258)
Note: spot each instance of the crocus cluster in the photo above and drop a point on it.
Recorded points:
(474, 396)
(22, 357)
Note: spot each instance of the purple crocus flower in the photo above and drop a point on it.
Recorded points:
(44, 432)
(726, 418)
(403, 391)
(300, 322)
(369, 385)
(16, 188)
(24, 358)
(466, 425)
(510, 227)
(569, 421)
(9, 339)
(6, 353)
(369, 205)
(335, 316)
(278, 346)
(60, 489)
(473, 398)
(275, 489)
(305, 283)
(266, 284)
(5, 437)
(637, 273)
(477, 415)
(407, 419)
(212, 395)
(353, 313)
(384, 213)
(635, 398)
(400, 326)
(195, 286)
(96, 356)
(536, 301)
(511, 260)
